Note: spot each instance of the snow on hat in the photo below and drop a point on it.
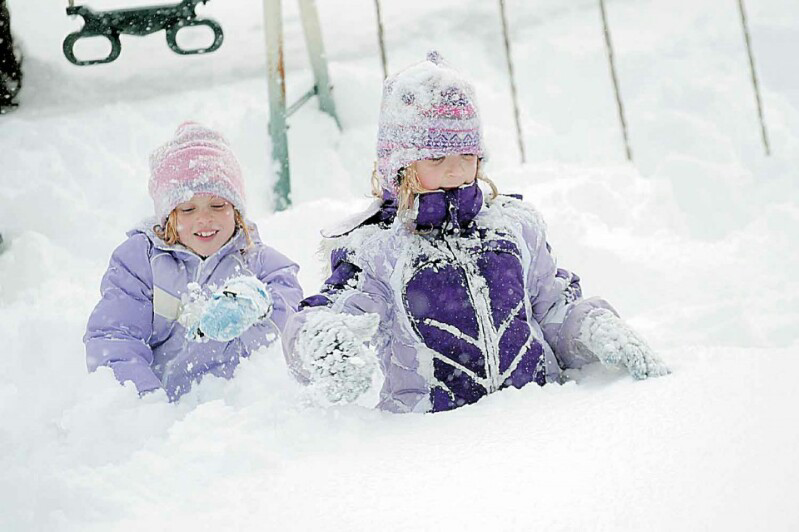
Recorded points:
(197, 160)
(428, 111)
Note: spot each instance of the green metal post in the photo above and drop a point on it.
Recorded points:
(316, 53)
(273, 25)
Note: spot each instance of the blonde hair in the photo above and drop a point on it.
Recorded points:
(409, 186)
(169, 231)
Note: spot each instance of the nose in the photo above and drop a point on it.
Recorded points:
(454, 166)
(204, 215)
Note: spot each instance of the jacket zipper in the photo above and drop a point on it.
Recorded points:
(482, 310)
(171, 363)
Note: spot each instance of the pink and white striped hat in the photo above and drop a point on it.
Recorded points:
(197, 160)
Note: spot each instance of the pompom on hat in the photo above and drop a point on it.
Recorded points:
(197, 160)
(428, 111)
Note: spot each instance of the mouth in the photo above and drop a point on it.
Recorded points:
(206, 235)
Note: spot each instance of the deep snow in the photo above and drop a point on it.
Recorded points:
(695, 243)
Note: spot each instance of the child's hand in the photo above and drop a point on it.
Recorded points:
(241, 303)
(641, 361)
(192, 308)
(615, 344)
(332, 347)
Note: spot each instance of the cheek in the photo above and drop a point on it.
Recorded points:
(228, 221)
(428, 182)
(182, 226)
(184, 235)
(429, 178)
(471, 168)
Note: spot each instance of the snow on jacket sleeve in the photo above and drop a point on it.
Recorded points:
(556, 297)
(121, 324)
(348, 290)
(279, 275)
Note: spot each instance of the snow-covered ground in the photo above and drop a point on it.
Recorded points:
(695, 244)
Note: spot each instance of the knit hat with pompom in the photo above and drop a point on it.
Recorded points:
(197, 160)
(428, 111)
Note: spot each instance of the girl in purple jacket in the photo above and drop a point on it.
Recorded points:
(458, 295)
(193, 290)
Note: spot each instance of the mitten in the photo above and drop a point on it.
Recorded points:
(192, 307)
(237, 306)
(332, 348)
(615, 344)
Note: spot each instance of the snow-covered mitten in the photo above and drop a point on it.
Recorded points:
(237, 306)
(192, 307)
(332, 347)
(615, 344)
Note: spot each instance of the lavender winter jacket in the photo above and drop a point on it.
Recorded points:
(134, 328)
(470, 303)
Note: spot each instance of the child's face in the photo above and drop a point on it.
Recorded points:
(451, 171)
(205, 223)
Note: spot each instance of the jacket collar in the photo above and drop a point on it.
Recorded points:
(237, 242)
(448, 211)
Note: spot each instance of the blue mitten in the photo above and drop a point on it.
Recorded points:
(241, 303)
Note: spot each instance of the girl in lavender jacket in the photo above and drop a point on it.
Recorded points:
(193, 290)
(459, 296)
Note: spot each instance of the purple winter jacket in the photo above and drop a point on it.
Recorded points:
(470, 302)
(134, 328)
